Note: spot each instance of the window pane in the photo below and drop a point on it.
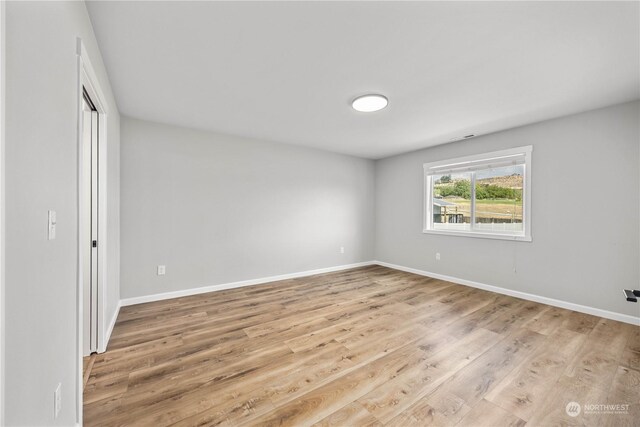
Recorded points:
(499, 200)
(452, 202)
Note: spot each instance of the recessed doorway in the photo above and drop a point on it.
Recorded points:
(89, 223)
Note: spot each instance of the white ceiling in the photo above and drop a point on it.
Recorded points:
(287, 71)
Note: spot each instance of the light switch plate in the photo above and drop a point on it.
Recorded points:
(51, 225)
(162, 270)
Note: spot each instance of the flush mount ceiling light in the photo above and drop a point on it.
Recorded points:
(369, 103)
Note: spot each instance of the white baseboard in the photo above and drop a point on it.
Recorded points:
(523, 295)
(110, 328)
(195, 291)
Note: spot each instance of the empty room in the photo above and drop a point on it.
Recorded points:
(329, 213)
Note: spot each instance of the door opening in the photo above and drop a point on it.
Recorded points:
(89, 213)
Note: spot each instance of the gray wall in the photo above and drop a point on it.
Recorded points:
(216, 209)
(2, 205)
(41, 174)
(585, 191)
(113, 217)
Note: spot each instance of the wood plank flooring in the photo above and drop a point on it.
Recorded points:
(365, 347)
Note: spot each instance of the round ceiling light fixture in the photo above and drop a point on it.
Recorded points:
(370, 103)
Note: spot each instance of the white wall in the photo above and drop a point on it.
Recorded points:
(113, 220)
(585, 219)
(2, 204)
(217, 209)
(41, 174)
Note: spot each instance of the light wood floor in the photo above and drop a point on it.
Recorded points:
(369, 346)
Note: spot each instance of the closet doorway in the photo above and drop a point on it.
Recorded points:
(89, 223)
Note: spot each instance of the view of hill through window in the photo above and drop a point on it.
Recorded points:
(498, 199)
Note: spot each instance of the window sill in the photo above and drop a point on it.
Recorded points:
(480, 235)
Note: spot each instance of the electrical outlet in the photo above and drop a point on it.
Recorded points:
(437, 256)
(341, 249)
(57, 401)
(162, 269)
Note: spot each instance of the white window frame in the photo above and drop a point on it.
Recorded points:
(525, 236)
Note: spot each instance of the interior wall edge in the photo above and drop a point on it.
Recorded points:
(109, 329)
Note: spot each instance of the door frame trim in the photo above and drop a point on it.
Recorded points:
(87, 78)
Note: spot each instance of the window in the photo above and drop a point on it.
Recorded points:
(487, 195)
